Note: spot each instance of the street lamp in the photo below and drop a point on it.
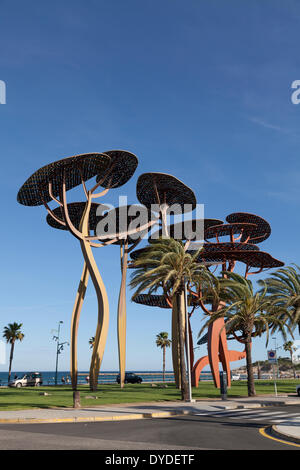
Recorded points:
(187, 344)
(275, 340)
(59, 348)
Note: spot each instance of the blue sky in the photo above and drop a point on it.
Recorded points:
(198, 89)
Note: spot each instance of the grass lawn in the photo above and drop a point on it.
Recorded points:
(61, 396)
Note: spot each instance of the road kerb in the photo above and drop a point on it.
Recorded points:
(85, 419)
(284, 436)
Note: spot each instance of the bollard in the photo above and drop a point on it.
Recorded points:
(223, 385)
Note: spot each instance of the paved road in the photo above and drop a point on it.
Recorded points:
(226, 430)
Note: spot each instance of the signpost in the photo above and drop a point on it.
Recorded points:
(272, 358)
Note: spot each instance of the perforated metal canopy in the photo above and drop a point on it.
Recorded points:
(75, 210)
(107, 222)
(125, 222)
(123, 166)
(262, 231)
(118, 165)
(161, 188)
(35, 191)
(152, 300)
(217, 231)
(187, 230)
(255, 259)
(228, 246)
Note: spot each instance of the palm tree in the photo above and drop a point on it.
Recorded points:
(289, 346)
(12, 333)
(249, 313)
(165, 264)
(284, 290)
(163, 342)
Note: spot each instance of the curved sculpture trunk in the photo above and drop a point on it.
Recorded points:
(122, 315)
(103, 306)
(175, 346)
(75, 323)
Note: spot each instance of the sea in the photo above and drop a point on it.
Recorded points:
(108, 377)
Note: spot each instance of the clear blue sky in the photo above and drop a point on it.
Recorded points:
(198, 89)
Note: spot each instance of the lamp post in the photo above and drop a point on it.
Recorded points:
(275, 385)
(59, 348)
(187, 345)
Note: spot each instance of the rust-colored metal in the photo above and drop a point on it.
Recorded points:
(251, 229)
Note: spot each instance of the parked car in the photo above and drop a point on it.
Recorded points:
(235, 377)
(130, 378)
(298, 390)
(31, 379)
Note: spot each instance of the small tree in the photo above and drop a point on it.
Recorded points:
(284, 291)
(12, 333)
(163, 342)
(288, 346)
(248, 314)
(166, 265)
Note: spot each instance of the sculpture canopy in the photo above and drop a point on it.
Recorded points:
(164, 189)
(123, 164)
(262, 231)
(35, 189)
(254, 259)
(117, 223)
(223, 230)
(154, 300)
(228, 246)
(76, 210)
(187, 230)
(119, 166)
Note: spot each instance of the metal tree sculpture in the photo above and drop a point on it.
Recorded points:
(51, 183)
(126, 235)
(111, 228)
(250, 228)
(186, 232)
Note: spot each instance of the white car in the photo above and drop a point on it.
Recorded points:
(235, 377)
(32, 379)
(298, 390)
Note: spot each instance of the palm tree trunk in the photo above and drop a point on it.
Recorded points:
(258, 370)
(181, 324)
(175, 345)
(250, 376)
(11, 358)
(293, 367)
(164, 362)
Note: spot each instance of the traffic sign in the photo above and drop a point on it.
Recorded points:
(272, 356)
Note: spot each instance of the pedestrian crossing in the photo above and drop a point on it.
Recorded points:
(258, 414)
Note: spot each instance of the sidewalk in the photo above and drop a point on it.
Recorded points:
(286, 430)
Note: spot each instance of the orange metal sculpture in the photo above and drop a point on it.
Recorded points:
(250, 228)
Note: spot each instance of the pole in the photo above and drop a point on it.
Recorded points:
(187, 343)
(57, 352)
(275, 386)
